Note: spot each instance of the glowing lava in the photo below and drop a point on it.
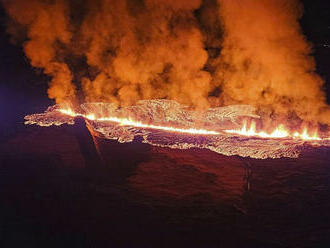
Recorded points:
(129, 122)
(163, 122)
(251, 131)
(279, 132)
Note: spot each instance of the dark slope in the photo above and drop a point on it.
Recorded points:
(136, 195)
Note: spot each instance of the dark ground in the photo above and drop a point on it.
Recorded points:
(56, 192)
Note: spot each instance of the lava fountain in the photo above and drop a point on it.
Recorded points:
(278, 133)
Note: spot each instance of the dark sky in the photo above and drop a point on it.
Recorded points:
(315, 24)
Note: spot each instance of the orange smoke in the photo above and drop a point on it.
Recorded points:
(198, 52)
(265, 59)
(147, 50)
(47, 27)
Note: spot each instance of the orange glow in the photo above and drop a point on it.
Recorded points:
(279, 132)
(249, 131)
(129, 122)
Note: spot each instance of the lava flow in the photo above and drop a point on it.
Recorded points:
(278, 132)
(133, 123)
(167, 123)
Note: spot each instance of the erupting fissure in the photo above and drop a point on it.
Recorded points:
(230, 130)
(278, 132)
(251, 131)
(133, 123)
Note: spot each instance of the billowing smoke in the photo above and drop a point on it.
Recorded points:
(145, 49)
(46, 29)
(199, 53)
(134, 49)
(265, 59)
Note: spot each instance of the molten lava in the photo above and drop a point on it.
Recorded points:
(132, 123)
(167, 123)
(251, 131)
(278, 132)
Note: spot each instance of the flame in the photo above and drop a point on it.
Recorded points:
(278, 132)
(305, 136)
(249, 131)
(133, 123)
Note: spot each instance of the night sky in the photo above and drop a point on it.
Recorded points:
(316, 26)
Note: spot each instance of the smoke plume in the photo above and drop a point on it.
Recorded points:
(199, 53)
(265, 59)
(47, 28)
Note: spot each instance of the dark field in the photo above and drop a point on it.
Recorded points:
(57, 192)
